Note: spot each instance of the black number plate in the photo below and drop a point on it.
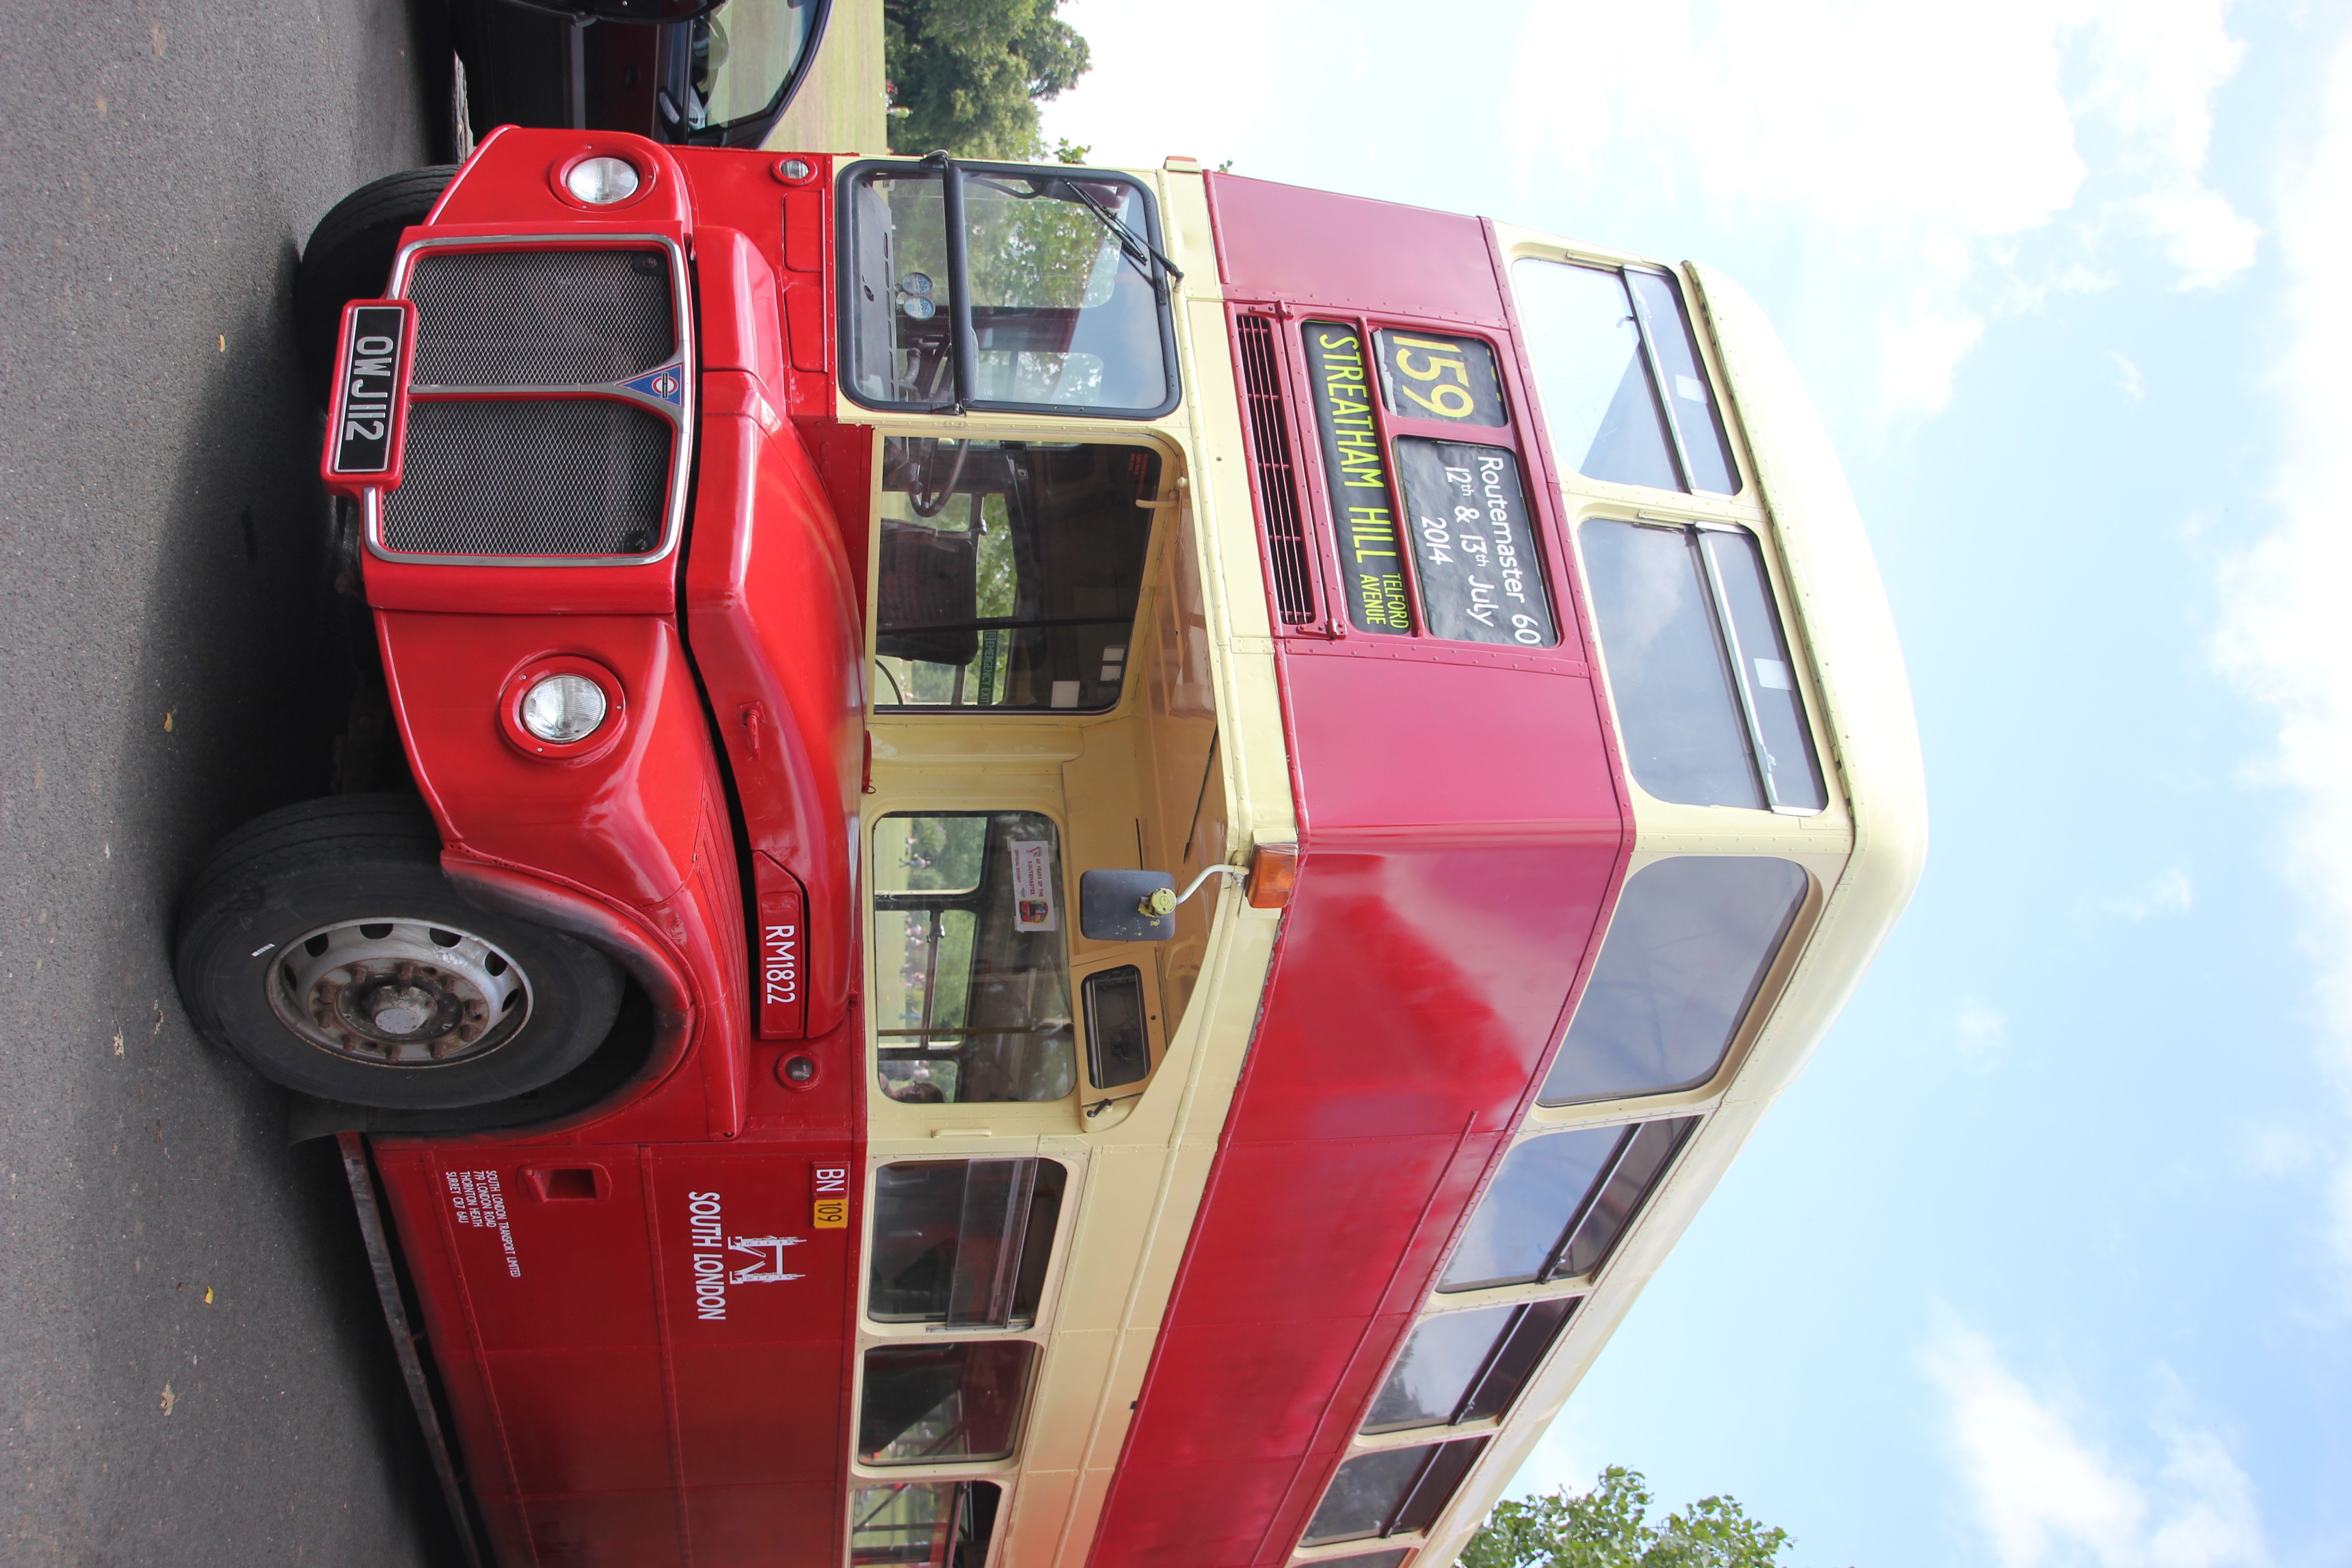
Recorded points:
(371, 365)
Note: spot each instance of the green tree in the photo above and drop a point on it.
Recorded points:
(1609, 1527)
(968, 75)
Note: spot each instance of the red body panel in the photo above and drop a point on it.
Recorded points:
(610, 1411)
(1369, 1116)
(604, 1417)
(775, 635)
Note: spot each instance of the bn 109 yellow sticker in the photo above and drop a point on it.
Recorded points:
(832, 1185)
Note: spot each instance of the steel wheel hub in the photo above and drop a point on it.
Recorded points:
(398, 993)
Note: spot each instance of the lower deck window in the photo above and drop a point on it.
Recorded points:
(1392, 1492)
(938, 1524)
(934, 1404)
(972, 972)
(962, 1242)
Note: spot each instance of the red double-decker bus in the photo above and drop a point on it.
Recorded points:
(1099, 859)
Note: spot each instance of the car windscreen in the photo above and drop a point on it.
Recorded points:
(743, 53)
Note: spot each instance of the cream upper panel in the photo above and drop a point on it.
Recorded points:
(1848, 665)
(1863, 853)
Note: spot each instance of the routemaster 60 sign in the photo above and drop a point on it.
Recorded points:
(1480, 578)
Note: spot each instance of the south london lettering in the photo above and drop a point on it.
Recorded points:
(709, 1245)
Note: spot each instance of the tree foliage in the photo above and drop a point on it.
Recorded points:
(967, 75)
(1609, 1527)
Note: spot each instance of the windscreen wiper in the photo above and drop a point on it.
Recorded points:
(1132, 244)
(1139, 251)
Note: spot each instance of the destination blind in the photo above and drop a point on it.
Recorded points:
(1439, 377)
(1474, 546)
(1363, 516)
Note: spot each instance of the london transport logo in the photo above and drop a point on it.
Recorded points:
(716, 1266)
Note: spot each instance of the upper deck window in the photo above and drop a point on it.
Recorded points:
(1685, 954)
(1706, 694)
(1009, 574)
(972, 969)
(1557, 1207)
(1467, 1366)
(1625, 397)
(1392, 1492)
(990, 286)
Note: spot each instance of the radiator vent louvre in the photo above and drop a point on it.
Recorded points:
(531, 476)
(1277, 476)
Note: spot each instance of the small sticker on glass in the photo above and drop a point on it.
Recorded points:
(1032, 886)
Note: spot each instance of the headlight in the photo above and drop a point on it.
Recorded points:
(561, 709)
(601, 182)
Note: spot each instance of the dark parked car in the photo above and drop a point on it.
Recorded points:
(711, 73)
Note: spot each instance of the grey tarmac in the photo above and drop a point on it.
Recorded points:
(192, 1369)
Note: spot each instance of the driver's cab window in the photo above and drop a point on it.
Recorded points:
(1008, 573)
(972, 969)
(1055, 274)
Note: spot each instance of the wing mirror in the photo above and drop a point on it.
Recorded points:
(1136, 906)
(1127, 906)
(1141, 906)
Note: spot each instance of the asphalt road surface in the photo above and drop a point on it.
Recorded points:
(192, 1367)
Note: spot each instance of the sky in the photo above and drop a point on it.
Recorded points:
(2046, 1262)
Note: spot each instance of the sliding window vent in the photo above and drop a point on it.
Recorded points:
(1278, 477)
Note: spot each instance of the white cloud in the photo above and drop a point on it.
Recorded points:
(1920, 149)
(2170, 894)
(2274, 1152)
(1983, 1033)
(2047, 1495)
(2127, 378)
(2280, 634)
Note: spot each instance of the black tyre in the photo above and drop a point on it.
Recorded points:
(322, 943)
(350, 257)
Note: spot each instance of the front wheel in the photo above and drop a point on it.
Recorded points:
(323, 944)
(350, 257)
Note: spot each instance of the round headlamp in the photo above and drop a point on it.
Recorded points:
(563, 708)
(601, 182)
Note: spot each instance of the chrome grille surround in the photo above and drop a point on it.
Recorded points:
(540, 317)
(485, 482)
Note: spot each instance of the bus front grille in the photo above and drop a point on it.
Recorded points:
(541, 317)
(550, 413)
(1277, 479)
(531, 476)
